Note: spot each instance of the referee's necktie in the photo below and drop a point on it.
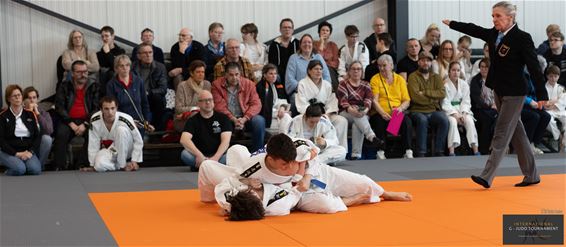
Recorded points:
(499, 38)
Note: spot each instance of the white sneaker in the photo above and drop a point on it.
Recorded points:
(536, 151)
(408, 154)
(381, 155)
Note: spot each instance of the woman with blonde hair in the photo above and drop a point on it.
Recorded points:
(431, 40)
(77, 49)
(446, 55)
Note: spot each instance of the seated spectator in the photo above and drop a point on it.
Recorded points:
(77, 49)
(534, 118)
(206, 136)
(328, 50)
(236, 97)
(556, 104)
(269, 89)
(464, 56)
(186, 96)
(390, 94)
(476, 66)
(353, 50)
(545, 45)
(114, 141)
(427, 92)
(75, 101)
(431, 40)
(409, 63)
(182, 54)
(232, 54)
(446, 55)
(130, 94)
(458, 108)
(147, 38)
(107, 54)
(313, 88)
(31, 95)
(379, 27)
(297, 67)
(483, 106)
(214, 49)
(282, 48)
(384, 41)
(315, 126)
(19, 136)
(254, 51)
(154, 77)
(354, 100)
(556, 55)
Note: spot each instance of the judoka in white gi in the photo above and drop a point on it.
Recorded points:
(313, 125)
(353, 50)
(113, 139)
(457, 106)
(556, 104)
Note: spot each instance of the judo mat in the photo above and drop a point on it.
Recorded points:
(444, 212)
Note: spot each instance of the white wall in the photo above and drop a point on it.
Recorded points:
(32, 41)
(532, 16)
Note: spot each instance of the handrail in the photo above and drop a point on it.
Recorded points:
(71, 20)
(330, 16)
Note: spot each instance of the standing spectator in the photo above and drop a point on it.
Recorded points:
(19, 136)
(186, 96)
(431, 40)
(253, 50)
(107, 54)
(534, 118)
(281, 49)
(545, 45)
(77, 49)
(390, 94)
(206, 135)
(464, 56)
(214, 49)
(182, 54)
(236, 97)
(556, 105)
(353, 50)
(297, 67)
(379, 27)
(75, 101)
(483, 106)
(427, 92)
(409, 63)
(113, 139)
(556, 55)
(45, 123)
(147, 38)
(233, 55)
(129, 91)
(355, 99)
(328, 50)
(154, 77)
(511, 49)
(384, 41)
(269, 90)
(458, 107)
(476, 66)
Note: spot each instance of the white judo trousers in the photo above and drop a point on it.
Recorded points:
(339, 183)
(457, 100)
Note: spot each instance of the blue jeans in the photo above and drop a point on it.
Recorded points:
(439, 121)
(17, 167)
(257, 126)
(189, 159)
(45, 149)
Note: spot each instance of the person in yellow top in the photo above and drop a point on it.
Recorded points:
(390, 94)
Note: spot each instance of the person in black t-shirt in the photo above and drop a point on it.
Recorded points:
(409, 63)
(206, 135)
(556, 55)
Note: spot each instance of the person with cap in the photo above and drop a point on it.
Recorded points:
(426, 91)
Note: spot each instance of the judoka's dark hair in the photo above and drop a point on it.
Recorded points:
(108, 99)
(245, 206)
(281, 146)
(316, 109)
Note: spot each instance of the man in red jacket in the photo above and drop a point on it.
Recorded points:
(236, 97)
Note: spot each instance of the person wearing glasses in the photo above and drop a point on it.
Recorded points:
(232, 54)
(353, 50)
(379, 27)
(182, 54)
(556, 55)
(206, 135)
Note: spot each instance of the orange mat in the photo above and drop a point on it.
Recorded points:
(445, 212)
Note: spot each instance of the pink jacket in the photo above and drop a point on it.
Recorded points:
(249, 100)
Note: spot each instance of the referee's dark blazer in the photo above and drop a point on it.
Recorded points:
(508, 59)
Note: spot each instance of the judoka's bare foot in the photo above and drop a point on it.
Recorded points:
(356, 199)
(397, 196)
(87, 169)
